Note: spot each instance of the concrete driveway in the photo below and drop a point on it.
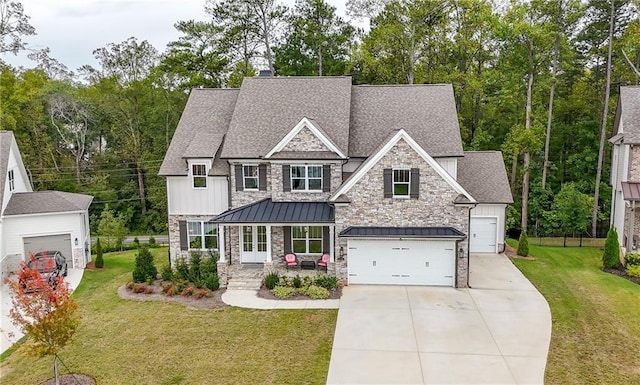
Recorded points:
(498, 332)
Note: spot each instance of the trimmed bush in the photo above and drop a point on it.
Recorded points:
(194, 267)
(271, 280)
(632, 259)
(523, 244)
(99, 263)
(327, 281)
(152, 242)
(611, 256)
(182, 269)
(315, 292)
(145, 268)
(633, 270)
(284, 281)
(297, 282)
(212, 282)
(209, 265)
(284, 292)
(136, 242)
(166, 273)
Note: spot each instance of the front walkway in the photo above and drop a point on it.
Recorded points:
(8, 332)
(498, 332)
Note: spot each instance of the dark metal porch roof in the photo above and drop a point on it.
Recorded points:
(631, 191)
(267, 211)
(404, 232)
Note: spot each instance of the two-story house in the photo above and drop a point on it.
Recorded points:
(373, 176)
(34, 221)
(625, 168)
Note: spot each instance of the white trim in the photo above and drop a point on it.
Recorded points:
(306, 178)
(393, 183)
(221, 245)
(375, 158)
(257, 177)
(205, 176)
(44, 214)
(304, 122)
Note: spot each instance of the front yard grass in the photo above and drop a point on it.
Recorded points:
(130, 342)
(596, 317)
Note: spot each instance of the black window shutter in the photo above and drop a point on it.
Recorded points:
(414, 190)
(184, 237)
(286, 178)
(239, 179)
(387, 174)
(326, 178)
(287, 239)
(262, 177)
(325, 239)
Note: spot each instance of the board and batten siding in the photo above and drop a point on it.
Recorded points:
(495, 211)
(450, 165)
(183, 199)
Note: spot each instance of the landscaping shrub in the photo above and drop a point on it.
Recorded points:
(611, 256)
(181, 285)
(633, 270)
(144, 268)
(315, 292)
(166, 286)
(212, 282)
(166, 273)
(632, 259)
(99, 263)
(307, 281)
(327, 281)
(271, 280)
(284, 292)
(171, 291)
(129, 285)
(152, 242)
(209, 265)
(140, 288)
(136, 242)
(148, 290)
(284, 281)
(203, 293)
(194, 267)
(297, 282)
(523, 244)
(182, 269)
(187, 291)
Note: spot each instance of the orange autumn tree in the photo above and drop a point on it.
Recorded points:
(44, 311)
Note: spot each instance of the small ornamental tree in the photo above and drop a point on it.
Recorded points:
(99, 259)
(43, 311)
(523, 244)
(145, 268)
(611, 256)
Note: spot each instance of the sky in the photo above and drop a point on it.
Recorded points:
(73, 29)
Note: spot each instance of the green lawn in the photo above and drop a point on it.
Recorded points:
(128, 342)
(596, 317)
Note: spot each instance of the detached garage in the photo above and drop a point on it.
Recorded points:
(402, 256)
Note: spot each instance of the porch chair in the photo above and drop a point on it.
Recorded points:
(291, 260)
(322, 262)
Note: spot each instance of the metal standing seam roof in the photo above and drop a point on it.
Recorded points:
(268, 211)
(631, 191)
(405, 232)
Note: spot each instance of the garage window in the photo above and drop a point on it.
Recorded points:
(202, 235)
(307, 239)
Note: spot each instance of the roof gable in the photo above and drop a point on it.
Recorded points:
(9, 153)
(628, 114)
(318, 133)
(483, 174)
(383, 150)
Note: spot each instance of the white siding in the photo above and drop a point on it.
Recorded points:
(21, 181)
(493, 211)
(450, 165)
(18, 227)
(183, 199)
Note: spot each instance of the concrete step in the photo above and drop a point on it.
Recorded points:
(244, 284)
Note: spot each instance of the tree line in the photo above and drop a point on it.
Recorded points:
(537, 79)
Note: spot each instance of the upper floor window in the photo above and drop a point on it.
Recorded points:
(250, 176)
(401, 180)
(199, 175)
(307, 239)
(12, 181)
(306, 178)
(202, 235)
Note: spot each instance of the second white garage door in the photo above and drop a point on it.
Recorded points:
(483, 235)
(401, 262)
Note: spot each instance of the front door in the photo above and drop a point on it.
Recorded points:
(253, 244)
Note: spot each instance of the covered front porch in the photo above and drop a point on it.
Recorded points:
(260, 234)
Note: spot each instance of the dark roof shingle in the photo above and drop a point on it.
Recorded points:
(46, 202)
(630, 113)
(483, 175)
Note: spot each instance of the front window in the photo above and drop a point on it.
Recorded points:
(199, 173)
(305, 178)
(202, 235)
(250, 177)
(307, 239)
(12, 181)
(401, 183)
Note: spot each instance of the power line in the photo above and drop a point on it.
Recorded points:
(95, 164)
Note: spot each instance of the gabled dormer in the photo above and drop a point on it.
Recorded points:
(13, 175)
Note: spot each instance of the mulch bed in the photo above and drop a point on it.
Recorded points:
(623, 274)
(267, 294)
(72, 379)
(213, 302)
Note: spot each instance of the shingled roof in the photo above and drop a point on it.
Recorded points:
(629, 114)
(201, 130)
(46, 202)
(483, 175)
(269, 107)
(426, 112)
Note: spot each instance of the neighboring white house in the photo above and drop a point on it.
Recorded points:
(34, 221)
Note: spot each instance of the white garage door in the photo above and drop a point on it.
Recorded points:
(401, 262)
(61, 242)
(483, 235)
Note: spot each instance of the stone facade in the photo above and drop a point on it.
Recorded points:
(634, 164)
(242, 197)
(278, 194)
(434, 207)
(174, 235)
(305, 140)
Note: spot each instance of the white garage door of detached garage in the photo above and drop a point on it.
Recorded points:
(61, 242)
(483, 234)
(401, 262)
